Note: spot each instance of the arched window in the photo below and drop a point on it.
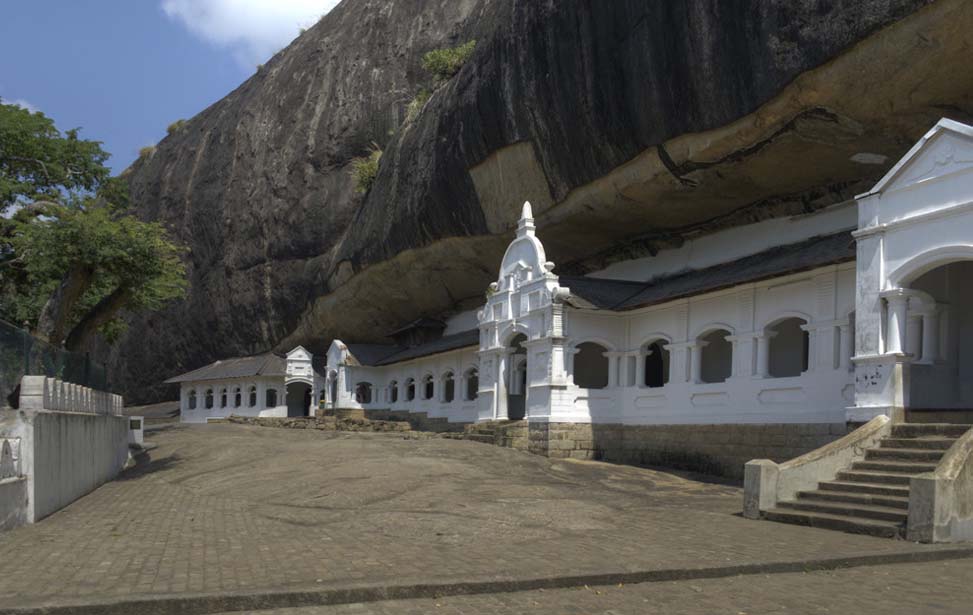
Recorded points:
(788, 348)
(449, 387)
(428, 387)
(393, 391)
(271, 398)
(209, 398)
(237, 397)
(656, 364)
(472, 379)
(192, 399)
(253, 397)
(224, 398)
(591, 366)
(716, 356)
(410, 389)
(363, 392)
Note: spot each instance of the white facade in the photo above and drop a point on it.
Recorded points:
(293, 392)
(842, 340)
(914, 318)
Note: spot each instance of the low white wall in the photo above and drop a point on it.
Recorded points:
(13, 502)
(66, 455)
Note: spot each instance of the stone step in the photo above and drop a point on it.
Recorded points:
(913, 430)
(851, 497)
(927, 442)
(903, 467)
(865, 488)
(861, 476)
(855, 525)
(863, 511)
(904, 454)
(475, 437)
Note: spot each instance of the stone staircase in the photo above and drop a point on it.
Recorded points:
(872, 496)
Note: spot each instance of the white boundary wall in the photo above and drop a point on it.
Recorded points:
(58, 455)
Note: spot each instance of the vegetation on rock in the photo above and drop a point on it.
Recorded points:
(444, 63)
(72, 255)
(415, 107)
(176, 126)
(365, 169)
(147, 151)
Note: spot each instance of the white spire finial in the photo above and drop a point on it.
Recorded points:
(526, 224)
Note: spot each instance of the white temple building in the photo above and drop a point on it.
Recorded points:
(786, 329)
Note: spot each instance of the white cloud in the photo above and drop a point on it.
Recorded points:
(23, 104)
(253, 29)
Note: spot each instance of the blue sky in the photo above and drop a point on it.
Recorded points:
(123, 70)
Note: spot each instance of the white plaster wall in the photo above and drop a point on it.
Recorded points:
(65, 455)
(819, 395)
(457, 361)
(731, 244)
(201, 413)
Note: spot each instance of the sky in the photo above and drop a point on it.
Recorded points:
(123, 70)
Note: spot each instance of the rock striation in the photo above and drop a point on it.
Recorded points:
(629, 125)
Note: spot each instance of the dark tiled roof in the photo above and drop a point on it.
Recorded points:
(446, 343)
(244, 367)
(371, 354)
(619, 295)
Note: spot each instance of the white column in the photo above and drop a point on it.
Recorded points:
(640, 367)
(696, 365)
(763, 355)
(897, 306)
(912, 336)
(500, 403)
(612, 368)
(844, 345)
(930, 337)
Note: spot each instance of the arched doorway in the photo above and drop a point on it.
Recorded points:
(938, 337)
(517, 379)
(298, 399)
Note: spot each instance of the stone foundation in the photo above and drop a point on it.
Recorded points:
(420, 421)
(721, 450)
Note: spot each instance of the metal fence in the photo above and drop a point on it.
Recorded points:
(21, 354)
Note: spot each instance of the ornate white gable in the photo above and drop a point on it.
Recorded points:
(946, 149)
(299, 365)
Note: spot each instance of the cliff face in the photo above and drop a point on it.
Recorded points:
(630, 125)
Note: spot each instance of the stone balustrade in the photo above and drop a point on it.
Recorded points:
(53, 394)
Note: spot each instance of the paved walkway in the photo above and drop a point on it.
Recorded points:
(231, 508)
(942, 588)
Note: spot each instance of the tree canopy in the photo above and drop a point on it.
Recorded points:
(73, 257)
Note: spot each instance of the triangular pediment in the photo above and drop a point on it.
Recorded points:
(299, 354)
(944, 150)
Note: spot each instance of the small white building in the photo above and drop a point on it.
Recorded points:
(265, 385)
(763, 340)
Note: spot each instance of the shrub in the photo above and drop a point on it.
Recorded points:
(415, 107)
(444, 63)
(147, 151)
(365, 169)
(176, 126)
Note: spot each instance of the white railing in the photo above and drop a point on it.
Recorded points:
(44, 393)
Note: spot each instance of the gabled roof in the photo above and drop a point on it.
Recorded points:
(376, 355)
(268, 364)
(620, 295)
(371, 354)
(942, 126)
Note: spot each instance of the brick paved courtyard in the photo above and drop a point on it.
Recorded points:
(941, 588)
(230, 508)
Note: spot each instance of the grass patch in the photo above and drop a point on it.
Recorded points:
(444, 63)
(365, 169)
(415, 107)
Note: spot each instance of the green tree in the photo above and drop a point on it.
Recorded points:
(73, 258)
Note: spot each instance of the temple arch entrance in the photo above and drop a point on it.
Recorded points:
(517, 379)
(298, 399)
(937, 337)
